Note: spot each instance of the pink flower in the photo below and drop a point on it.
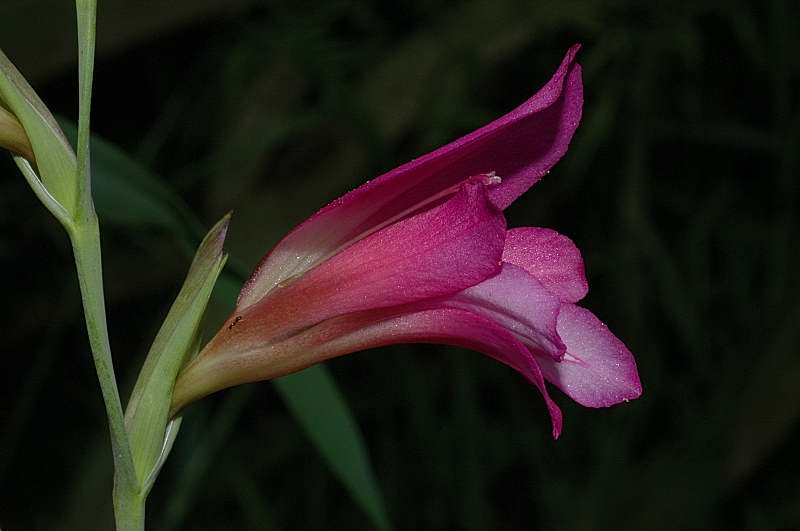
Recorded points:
(422, 254)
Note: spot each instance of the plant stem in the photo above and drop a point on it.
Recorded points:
(85, 235)
(86, 246)
(129, 512)
(86, 11)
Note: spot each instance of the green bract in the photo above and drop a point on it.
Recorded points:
(147, 415)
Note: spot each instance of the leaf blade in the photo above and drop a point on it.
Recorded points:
(317, 404)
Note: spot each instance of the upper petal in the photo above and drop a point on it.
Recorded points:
(551, 258)
(520, 147)
(597, 370)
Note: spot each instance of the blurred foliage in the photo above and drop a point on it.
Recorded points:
(679, 188)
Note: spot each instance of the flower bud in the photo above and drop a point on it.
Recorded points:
(28, 129)
(13, 137)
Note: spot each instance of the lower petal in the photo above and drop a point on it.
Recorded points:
(362, 331)
(597, 370)
(519, 303)
(447, 326)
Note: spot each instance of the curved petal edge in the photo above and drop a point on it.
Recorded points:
(520, 147)
(551, 258)
(597, 370)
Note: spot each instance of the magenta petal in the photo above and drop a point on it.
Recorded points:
(518, 302)
(520, 147)
(551, 258)
(448, 326)
(434, 254)
(597, 370)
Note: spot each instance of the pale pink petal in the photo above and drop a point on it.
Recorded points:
(551, 258)
(518, 302)
(433, 254)
(520, 147)
(597, 370)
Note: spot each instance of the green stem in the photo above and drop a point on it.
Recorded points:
(86, 246)
(87, 15)
(85, 234)
(129, 512)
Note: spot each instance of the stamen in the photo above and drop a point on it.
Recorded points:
(486, 179)
(491, 179)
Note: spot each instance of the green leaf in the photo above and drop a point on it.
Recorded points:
(147, 414)
(54, 158)
(317, 404)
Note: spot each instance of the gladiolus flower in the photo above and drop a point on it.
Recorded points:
(422, 254)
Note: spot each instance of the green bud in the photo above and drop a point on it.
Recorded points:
(49, 153)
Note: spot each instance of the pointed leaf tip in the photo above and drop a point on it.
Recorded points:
(214, 240)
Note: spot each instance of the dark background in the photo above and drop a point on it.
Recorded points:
(679, 188)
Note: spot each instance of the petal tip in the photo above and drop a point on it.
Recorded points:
(557, 426)
(636, 389)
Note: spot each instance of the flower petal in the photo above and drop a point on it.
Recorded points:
(447, 326)
(518, 302)
(360, 331)
(520, 147)
(597, 370)
(433, 254)
(551, 258)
